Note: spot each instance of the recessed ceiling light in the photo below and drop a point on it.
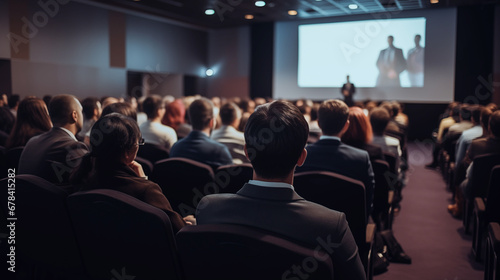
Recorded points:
(209, 72)
(353, 6)
(209, 12)
(260, 3)
(434, 1)
(292, 12)
(248, 16)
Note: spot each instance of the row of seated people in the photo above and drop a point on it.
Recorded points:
(65, 112)
(468, 151)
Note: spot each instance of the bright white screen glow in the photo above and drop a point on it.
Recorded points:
(330, 51)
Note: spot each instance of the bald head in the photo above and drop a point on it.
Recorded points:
(64, 110)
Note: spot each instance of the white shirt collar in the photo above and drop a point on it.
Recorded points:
(270, 184)
(329, 137)
(69, 133)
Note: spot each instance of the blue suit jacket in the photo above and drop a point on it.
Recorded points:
(335, 156)
(199, 147)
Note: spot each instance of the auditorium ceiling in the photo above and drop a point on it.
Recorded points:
(227, 13)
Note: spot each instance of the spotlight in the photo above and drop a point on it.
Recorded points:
(248, 16)
(292, 12)
(353, 6)
(209, 12)
(209, 72)
(260, 3)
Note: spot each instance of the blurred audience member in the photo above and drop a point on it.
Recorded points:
(227, 134)
(175, 113)
(359, 134)
(32, 119)
(7, 121)
(91, 113)
(379, 118)
(153, 131)
(13, 102)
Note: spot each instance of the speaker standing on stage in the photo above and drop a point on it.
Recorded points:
(348, 91)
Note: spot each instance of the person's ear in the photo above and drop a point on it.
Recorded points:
(302, 158)
(74, 116)
(246, 152)
(346, 126)
(213, 123)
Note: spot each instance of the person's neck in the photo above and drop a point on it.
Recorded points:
(288, 179)
(156, 120)
(70, 127)
(206, 131)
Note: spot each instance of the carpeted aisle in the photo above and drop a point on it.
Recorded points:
(427, 232)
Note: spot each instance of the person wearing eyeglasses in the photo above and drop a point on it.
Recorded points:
(114, 142)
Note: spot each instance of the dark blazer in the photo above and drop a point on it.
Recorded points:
(398, 64)
(284, 212)
(122, 178)
(199, 147)
(42, 152)
(348, 99)
(483, 146)
(335, 156)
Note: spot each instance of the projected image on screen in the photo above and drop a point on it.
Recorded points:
(374, 53)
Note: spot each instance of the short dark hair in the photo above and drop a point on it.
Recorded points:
(229, 113)
(485, 118)
(476, 113)
(332, 116)
(200, 112)
(123, 108)
(13, 100)
(61, 107)
(379, 118)
(89, 105)
(495, 124)
(275, 135)
(151, 105)
(465, 112)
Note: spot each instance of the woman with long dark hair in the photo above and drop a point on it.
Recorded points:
(32, 119)
(114, 142)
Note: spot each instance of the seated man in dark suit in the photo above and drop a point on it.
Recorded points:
(197, 145)
(53, 154)
(275, 136)
(330, 154)
(230, 116)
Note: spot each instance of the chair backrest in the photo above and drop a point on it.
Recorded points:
(147, 166)
(44, 232)
(230, 178)
(493, 201)
(392, 160)
(184, 182)
(121, 235)
(336, 192)
(153, 152)
(481, 169)
(242, 252)
(13, 155)
(383, 181)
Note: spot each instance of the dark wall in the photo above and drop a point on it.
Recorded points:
(423, 118)
(261, 59)
(5, 77)
(474, 51)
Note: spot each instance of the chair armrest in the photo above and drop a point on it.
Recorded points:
(390, 197)
(370, 233)
(494, 234)
(479, 205)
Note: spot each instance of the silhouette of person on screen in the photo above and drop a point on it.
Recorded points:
(416, 63)
(348, 91)
(390, 64)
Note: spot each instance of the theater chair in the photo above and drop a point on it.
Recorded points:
(229, 252)
(122, 237)
(13, 155)
(153, 152)
(486, 210)
(346, 195)
(482, 166)
(492, 264)
(383, 195)
(230, 178)
(45, 243)
(184, 182)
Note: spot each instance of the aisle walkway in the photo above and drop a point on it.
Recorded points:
(427, 232)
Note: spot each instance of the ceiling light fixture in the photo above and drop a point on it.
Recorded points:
(292, 12)
(209, 12)
(260, 3)
(434, 1)
(209, 72)
(353, 6)
(248, 16)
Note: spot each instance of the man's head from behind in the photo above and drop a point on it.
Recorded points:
(275, 135)
(153, 107)
(201, 114)
(230, 114)
(332, 117)
(379, 118)
(66, 111)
